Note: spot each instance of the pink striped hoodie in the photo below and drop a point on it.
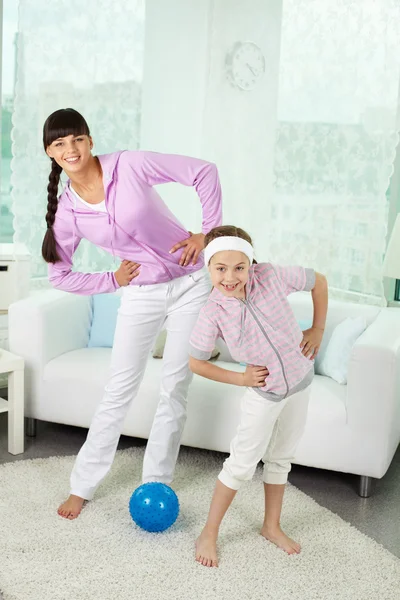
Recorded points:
(260, 330)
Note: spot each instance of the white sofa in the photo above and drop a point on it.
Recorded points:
(353, 428)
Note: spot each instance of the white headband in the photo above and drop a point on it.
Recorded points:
(228, 242)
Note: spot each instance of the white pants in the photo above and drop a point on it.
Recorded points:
(143, 312)
(268, 431)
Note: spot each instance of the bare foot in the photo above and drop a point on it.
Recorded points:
(206, 549)
(280, 539)
(71, 508)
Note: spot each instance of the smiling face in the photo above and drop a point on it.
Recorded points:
(229, 272)
(72, 152)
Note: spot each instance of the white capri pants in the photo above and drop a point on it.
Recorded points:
(268, 431)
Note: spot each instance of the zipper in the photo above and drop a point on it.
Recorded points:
(252, 311)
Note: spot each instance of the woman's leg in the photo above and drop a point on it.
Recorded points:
(277, 464)
(257, 419)
(140, 317)
(186, 296)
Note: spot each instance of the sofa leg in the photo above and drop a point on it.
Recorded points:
(364, 487)
(31, 427)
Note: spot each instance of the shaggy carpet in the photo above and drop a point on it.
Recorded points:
(102, 555)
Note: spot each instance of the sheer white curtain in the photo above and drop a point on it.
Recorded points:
(309, 152)
(85, 55)
(305, 157)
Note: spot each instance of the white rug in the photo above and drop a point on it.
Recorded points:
(103, 556)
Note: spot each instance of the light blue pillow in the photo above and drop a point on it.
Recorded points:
(104, 320)
(335, 361)
(305, 324)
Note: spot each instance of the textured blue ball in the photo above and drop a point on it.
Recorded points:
(154, 506)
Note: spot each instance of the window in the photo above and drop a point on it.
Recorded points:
(96, 70)
(9, 35)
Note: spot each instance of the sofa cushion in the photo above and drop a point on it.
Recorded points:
(73, 385)
(335, 360)
(333, 357)
(105, 309)
(104, 320)
(302, 307)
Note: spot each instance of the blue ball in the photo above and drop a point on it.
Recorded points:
(154, 506)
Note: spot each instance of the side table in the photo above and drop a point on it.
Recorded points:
(13, 365)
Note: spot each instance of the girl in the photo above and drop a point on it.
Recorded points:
(110, 201)
(249, 310)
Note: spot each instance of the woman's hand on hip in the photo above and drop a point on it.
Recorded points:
(193, 245)
(255, 376)
(127, 271)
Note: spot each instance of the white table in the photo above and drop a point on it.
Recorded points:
(14, 366)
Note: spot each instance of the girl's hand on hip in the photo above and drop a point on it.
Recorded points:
(192, 248)
(127, 271)
(311, 342)
(255, 376)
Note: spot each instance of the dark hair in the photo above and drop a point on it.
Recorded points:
(227, 230)
(60, 123)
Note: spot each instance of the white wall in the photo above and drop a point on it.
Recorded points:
(240, 126)
(175, 74)
(190, 107)
(174, 86)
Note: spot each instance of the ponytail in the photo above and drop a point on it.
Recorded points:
(49, 247)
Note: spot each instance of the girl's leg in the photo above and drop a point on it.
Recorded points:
(185, 298)
(257, 420)
(206, 544)
(277, 464)
(271, 528)
(140, 317)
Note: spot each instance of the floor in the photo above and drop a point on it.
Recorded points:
(377, 516)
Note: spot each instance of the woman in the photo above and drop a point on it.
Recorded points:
(110, 201)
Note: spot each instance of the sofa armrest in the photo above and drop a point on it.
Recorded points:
(373, 384)
(44, 326)
(49, 324)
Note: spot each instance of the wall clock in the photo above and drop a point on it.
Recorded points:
(245, 65)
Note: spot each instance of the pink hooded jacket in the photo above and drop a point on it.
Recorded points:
(260, 330)
(138, 225)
